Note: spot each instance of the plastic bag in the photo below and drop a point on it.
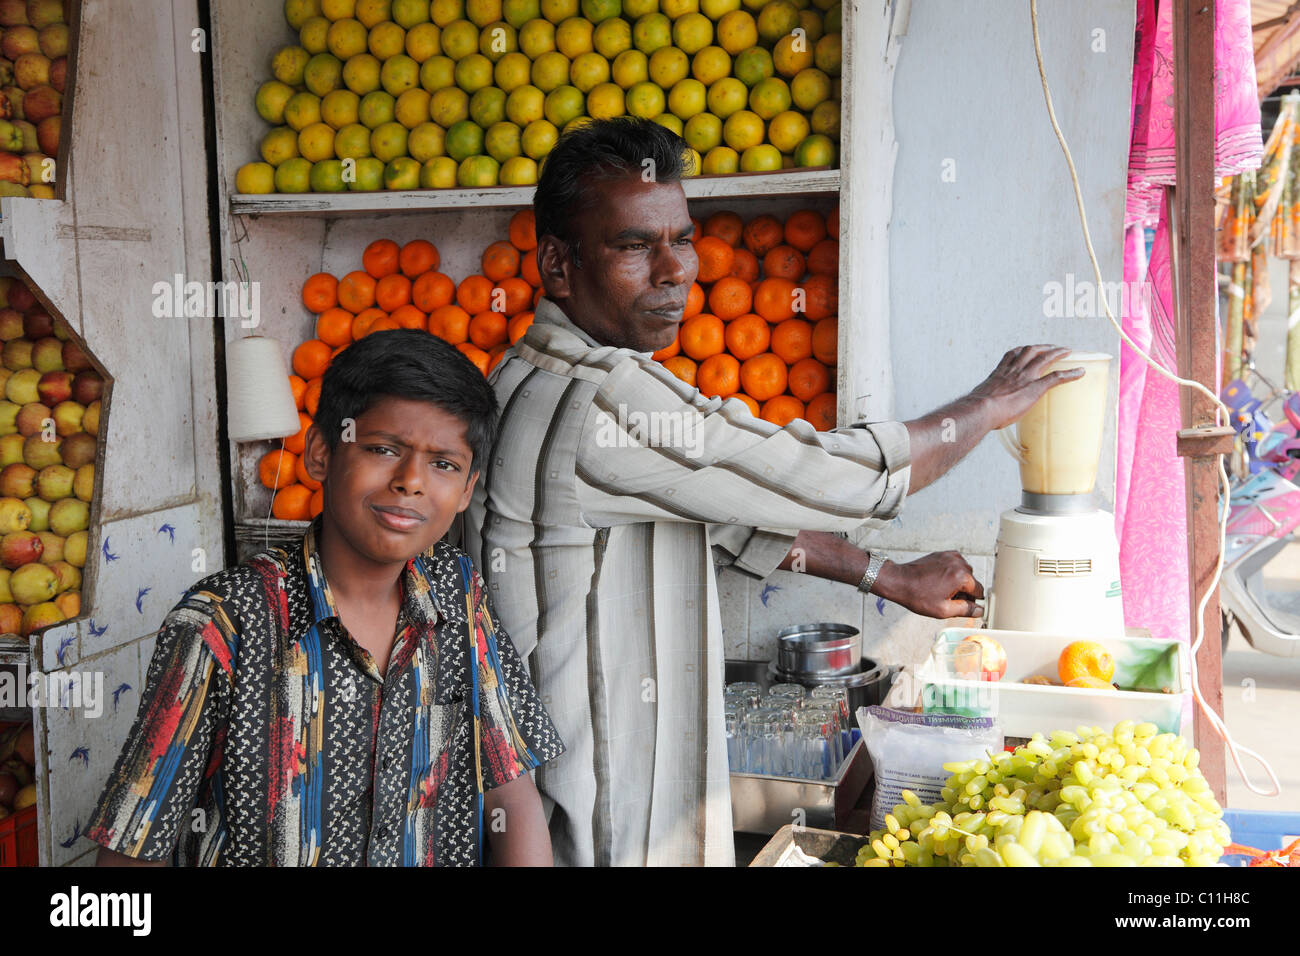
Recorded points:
(908, 752)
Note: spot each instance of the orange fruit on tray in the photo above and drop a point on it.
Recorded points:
(523, 230)
(537, 296)
(694, 301)
(317, 502)
(824, 258)
(311, 358)
(727, 226)
(528, 269)
(808, 378)
(518, 326)
(715, 256)
(821, 295)
(381, 258)
(296, 441)
(494, 358)
(703, 335)
(409, 317)
(683, 368)
(430, 290)
(826, 340)
(292, 503)
(334, 327)
(475, 355)
(512, 296)
(784, 262)
(804, 229)
(311, 397)
(782, 410)
(392, 292)
(275, 468)
(821, 411)
(357, 291)
(364, 320)
(488, 329)
(748, 335)
(450, 323)
(418, 257)
(300, 473)
(752, 405)
(719, 375)
(833, 223)
(763, 234)
(745, 265)
(1081, 659)
(763, 376)
(669, 350)
(500, 261)
(698, 226)
(730, 297)
(474, 294)
(774, 299)
(320, 292)
(297, 385)
(386, 324)
(792, 340)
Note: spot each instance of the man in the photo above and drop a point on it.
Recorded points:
(598, 545)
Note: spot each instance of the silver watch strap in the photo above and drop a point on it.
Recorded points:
(874, 564)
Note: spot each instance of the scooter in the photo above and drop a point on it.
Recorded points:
(1264, 511)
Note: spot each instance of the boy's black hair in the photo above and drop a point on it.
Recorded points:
(600, 150)
(408, 363)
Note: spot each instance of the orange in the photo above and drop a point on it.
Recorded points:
(826, 341)
(334, 327)
(833, 223)
(784, 262)
(715, 258)
(418, 257)
(518, 295)
(296, 441)
(682, 367)
(537, 296)
(1086, 659)
(697, 230)
(668, 351)
(409, 317)
(364, 320)
(782, 410)
(311, 397)
(727, 226)
(392, 292)
(381, 258)
(320, 292)
(821, 411)
(1096, 683)
(304, 479)
(317, 502)
(431, 290)
(518, 326)
(523, 230)
(450, 323)
(763, 376)
(792, 341)
(804, 229)
(292, 503)
(719, 376)
(357, 291)
(730, 297)
(335, 353)
(762, 234)
(474, 294)
(494, 358)
(749, 403)
(703, 335)
(297, 385)
(774, 299)
(821, 297)
(475, 355)
(747, 336)
(824, 258)
(808, 378)
(275, 469)
(528, 269)
(694, 301)
(488, 329)
(386, 324)
(745, 265)
(311, 358)
(500, 261)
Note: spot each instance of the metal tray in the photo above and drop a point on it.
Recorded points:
(829, 845)
(764, 804)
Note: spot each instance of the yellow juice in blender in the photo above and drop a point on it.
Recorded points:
(1060, 436)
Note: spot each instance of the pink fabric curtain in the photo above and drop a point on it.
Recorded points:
(1150, 502)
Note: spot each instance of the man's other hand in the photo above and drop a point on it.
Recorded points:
(939, 585)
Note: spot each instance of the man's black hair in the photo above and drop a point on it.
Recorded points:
(410, 364)
(600, 150)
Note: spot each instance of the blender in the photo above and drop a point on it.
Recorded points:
(1056, 564)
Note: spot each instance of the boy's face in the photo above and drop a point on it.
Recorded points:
(394, 490)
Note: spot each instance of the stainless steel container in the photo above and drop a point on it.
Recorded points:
(764, 804)
(866, 685)
(818, 650)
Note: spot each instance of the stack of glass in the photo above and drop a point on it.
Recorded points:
(788, 732)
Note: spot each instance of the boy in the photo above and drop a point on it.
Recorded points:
(320, 706)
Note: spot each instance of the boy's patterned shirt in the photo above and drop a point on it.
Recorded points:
(266, 735)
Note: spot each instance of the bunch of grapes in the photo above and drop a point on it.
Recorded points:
(1133, 797)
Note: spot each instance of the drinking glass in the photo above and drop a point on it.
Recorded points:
(734, 716)
(958, 660)
(840, 696)
(795, 692)
(829, 711)
(748, 691)
(815, 735)
(764, 741)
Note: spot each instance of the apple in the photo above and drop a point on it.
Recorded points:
(69, 604)
(21, 387)
(14, 96)
(31, 419)
(40, 453)
(11, 449)
(67, 517)
(11, 619)
(74, 549)
(20, 40)
(32, 70)
(87, 387)
(59, 74)
(21, 297)
(6, 596)
(11, 324)
(67, 417)
(14, 515)
(90, 420)
(37, 324)
(993, 659)
(7, 70)
(54, 40)
(18, 548)
(54, 387)
(47, 138)
(41, 13)
(75, 358)
(62, 331)
(41, 103)
(40, 615)
(6, 283)
(53, 546)
(12, 168)
(78, 449)
(17, 352)
(17, 480)
(13, 13)
(40, 509)
(8, 417)
(52, 483)
(83, 485)
(69, 576)
(35, 163)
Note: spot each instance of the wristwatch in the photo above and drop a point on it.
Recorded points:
(874, 564)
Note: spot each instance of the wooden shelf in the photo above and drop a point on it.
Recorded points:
(785, 183)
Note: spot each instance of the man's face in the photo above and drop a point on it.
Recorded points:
(395, 490)
(638, 264)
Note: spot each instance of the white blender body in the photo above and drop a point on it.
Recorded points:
(1056, 567)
